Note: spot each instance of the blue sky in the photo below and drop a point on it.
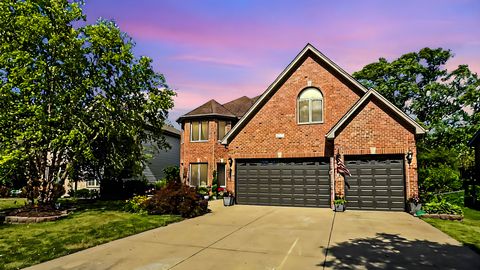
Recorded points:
(227, 49)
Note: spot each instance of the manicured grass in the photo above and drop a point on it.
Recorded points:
(88, 226)
(466, 231)
(6, 203)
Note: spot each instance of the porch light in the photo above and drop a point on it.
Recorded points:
(230, 161)
(409, 157)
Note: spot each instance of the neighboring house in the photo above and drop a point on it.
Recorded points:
(164, 158)
(280, 148)
(154, 169)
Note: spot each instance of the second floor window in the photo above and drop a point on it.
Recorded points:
(222, 129)
(199, 131)
(310, 106)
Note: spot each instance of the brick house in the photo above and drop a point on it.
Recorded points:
(281, 148)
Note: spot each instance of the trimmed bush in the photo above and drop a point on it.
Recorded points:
(177, 199)
(442, 207)
(136, 204)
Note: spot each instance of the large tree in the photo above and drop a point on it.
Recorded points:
(74, 101)
(446, 103)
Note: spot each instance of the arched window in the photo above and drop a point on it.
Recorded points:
(310, 106)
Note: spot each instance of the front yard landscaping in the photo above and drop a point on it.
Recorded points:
(466, 231)
(89, 225)
(6, 203)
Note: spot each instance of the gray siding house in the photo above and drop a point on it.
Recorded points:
(164, 158)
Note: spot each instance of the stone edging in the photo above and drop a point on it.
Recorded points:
(23, 220)
(443, 216)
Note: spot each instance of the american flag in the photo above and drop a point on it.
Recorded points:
(341, 168)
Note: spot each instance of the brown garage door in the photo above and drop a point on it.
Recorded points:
(377, 183)
(287, 182)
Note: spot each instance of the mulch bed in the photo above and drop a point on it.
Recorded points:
(36, 211)
(443, 216)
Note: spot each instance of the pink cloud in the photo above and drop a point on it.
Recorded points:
(217, 60)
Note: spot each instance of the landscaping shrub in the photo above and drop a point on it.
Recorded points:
(177, 199)
(442, 207)
(85, 193)
(137, 204)
(172, 174)
(162, 183)
(135, 187)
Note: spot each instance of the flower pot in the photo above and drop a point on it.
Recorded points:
(206, 197)
(339, 208)
(227, 201)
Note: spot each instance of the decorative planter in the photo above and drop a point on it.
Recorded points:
(339, 208)
(206, 197)
(228, 201)
(415, 207)
(443, 216)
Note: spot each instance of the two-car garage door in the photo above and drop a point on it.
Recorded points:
(287, 182)
(377, 182)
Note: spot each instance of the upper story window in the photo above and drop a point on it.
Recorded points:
(310, 106)
(222, 129)
(199, 131)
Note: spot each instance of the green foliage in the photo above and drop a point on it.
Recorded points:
(215, 184)
(339, 200)
(177, 199)
(203, 190)
(74, 101)
(85, 193)
(172, 174)
(446, 103)
(442, 207)
(162, 183)
(137, 204)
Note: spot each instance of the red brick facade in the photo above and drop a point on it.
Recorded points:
(375, 129)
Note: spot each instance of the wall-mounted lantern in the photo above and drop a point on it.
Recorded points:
(409, 156)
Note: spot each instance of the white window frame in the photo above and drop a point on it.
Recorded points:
(310, 110)
(218, 128)
(199, 131)
(96, 183)
(190, 174)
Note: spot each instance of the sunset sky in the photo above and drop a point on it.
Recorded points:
(227, 49)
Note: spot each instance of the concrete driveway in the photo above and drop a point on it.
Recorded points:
(257, 237)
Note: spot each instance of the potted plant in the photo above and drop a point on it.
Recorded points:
(220, 192)
(204, 191)
(339, 203)
(228, 198)
(414, 204)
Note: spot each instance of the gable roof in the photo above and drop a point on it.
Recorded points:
(372, 93)
(169, 130)
(474, 139)
(308, 50)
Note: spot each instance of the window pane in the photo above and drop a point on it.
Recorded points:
(221, 129)
(203, 174)
(195, 130)
(194, 175)
(204, 132)
(316, 110)
(303, 111)
(221, 175)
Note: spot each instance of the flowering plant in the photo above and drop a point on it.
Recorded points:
(414, 200)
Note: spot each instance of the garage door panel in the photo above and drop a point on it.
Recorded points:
(284, 182)
(377, 183)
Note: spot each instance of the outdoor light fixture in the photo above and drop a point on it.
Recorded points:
(409, 157)
(230, 161)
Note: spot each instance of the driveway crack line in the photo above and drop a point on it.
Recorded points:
(329, 238)
(180, 262)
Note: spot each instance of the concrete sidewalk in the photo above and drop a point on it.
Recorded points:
(258, 237)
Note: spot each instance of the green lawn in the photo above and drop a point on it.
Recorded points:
(466, 231)
(88, 226)
(6, 203)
